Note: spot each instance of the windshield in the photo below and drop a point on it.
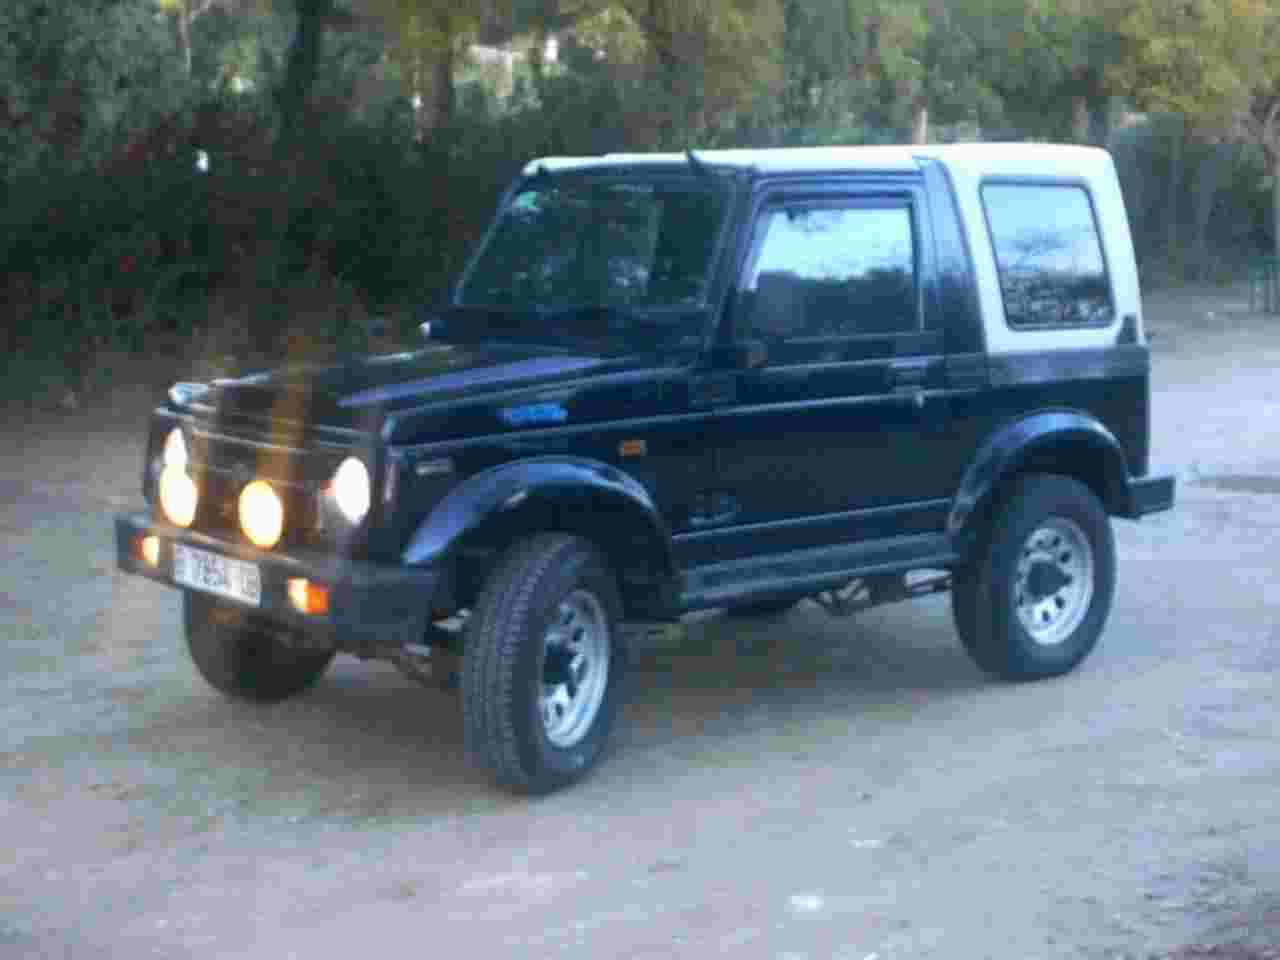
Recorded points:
(567, 242)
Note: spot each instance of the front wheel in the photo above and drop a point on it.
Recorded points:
(1034, 602)
(541, 665)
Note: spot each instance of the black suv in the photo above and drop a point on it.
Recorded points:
(675, 382)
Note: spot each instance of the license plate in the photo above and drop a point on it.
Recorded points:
(211, 573)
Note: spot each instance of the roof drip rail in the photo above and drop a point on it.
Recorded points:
(541, 175)
(704, 170)
(699, 166)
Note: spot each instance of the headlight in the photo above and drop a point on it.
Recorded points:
(349, 489)
(175, 449)
(261, 514)
(178, 495)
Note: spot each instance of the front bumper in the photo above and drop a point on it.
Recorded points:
(370, 605)
(1149, 495)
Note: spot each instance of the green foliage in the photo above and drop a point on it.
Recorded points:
(110, 236)
(1046, 62)
(78, 77)
(239, 52)
(1192, 57)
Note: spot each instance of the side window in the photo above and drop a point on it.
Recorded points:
(831, 272)
(1052, 272)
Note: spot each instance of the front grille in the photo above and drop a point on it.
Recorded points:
(223, 465)
(219, 512)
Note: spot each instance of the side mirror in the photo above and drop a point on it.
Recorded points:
(741, 355)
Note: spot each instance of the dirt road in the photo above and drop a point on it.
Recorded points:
(801, 788)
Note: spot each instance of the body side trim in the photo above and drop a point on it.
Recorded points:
(1055, 366)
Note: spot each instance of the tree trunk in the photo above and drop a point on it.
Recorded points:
(1100, 121)
(1126, 148)
(920, 122)
(303, 60)
(443, 92)
(184, 36)
(421, 118)
(1081, 120)
(1275, 203)
(671, 122)
(1206, 193)
(1175, 190)
(538, 55)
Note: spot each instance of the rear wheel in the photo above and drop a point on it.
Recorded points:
(1035, 600)
(244, 657)
(541, 664)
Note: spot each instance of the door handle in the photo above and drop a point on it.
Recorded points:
(907, 379)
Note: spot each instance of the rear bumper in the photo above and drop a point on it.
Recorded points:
(369, 604)
(1149, 495)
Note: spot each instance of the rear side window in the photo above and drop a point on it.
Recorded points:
(1052, 272)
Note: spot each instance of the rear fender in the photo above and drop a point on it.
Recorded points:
(1053, 441)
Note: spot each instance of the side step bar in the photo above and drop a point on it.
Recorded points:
(811, 571)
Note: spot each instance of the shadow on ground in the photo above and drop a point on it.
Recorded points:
(366, 743)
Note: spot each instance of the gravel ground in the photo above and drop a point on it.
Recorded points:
(801, 788)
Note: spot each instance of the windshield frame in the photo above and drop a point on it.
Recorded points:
(632, 173)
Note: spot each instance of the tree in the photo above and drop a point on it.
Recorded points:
(1259, 118)
(890, 61)
(942, 84)
(706, 60)
(1047, 61)
(185, 13)
(818, 85)
(1208, 63)
(426, 38)
(77, 77)
(302, 62)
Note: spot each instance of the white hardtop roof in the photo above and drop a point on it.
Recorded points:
(1028, 159)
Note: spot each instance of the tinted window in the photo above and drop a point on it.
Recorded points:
(832, 272)
(575, 242)
(1052, 273)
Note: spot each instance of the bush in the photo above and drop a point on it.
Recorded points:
(93, 260)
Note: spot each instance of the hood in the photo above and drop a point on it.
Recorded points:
(360, 393)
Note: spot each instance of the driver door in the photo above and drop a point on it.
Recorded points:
(835, 438)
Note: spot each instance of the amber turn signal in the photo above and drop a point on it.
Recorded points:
(308, 597)
(149, 550)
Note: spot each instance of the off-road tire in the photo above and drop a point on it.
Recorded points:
(243, 658)
(504, 660)
(982, 596)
